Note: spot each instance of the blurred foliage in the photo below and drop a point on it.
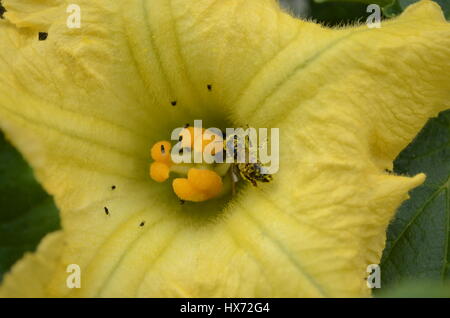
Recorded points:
(27, 212)
(338, 14)
(327, 13)
(397, 6)
(416, 289)
(390, 8)
(418, 238)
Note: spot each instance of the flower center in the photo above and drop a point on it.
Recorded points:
(208, 162)
(198, 181)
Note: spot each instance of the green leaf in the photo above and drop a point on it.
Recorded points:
(422, 289)
(418, 238)
(400, 5)
(379, 2)
(27, 212)
(333, 14)
(392, 8)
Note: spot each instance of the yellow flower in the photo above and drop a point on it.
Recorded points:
(85, 105)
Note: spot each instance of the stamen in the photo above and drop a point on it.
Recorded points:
(203, 182)
(200, 185)
(186, 192)
(189, 135)
(161, 152)
(159, 171)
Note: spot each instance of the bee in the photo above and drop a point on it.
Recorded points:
(251, 171)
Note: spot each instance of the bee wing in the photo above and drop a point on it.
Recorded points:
(234, 175)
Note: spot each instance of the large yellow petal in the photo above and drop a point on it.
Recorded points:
(85, 105)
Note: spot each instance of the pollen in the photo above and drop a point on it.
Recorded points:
(159, 171)
(200, 185)
(161, 152)
(188, 134)
(194, 182)
(191, 136)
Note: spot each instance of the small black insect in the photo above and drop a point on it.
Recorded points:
(163, 150)
(186, 126)
(174, 103)
(43, 36)
(113, 187)
(142, 224)
(209, 86)
(2, 10)
(106, 210)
